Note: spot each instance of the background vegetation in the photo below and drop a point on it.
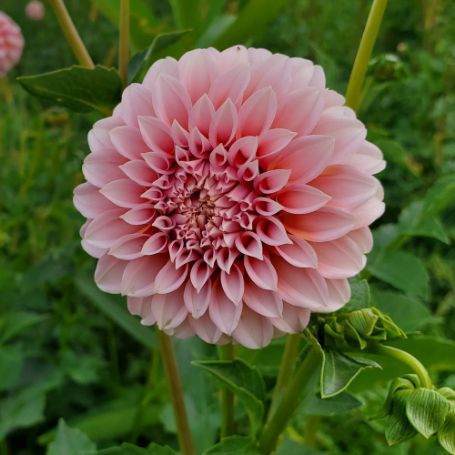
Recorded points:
(68, 351)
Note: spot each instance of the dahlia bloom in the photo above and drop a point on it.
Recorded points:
(35, 10)
(229, 196)
(11, 43)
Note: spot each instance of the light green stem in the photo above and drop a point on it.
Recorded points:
(176, 391)
(289, 402)
(226, 352)
(71, 34)
(124, 37)
(359, 70)
(409, 360)
(288, 361)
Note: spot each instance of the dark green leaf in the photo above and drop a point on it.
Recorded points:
(339, 370)
(446, 434)
(115, 309)
(398, 429)
(426, 410)
(251, 21)
(440, 196)
(244, 380)
(11, 360)
(142, 61)
(15, 322)
(233, 445)
(77, 88)
(70, 441)
(130, 449)
(407, 311)
(339, 404)
(360, 295)
(403, 271)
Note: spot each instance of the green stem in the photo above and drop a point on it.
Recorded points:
(176, 390)
(226, 352)
(359, 69)
(123, 49)
(408, 360)
(288, 361)
(289, 402)
(71, 34)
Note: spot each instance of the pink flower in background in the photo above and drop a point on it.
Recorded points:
(35, 10)
(229, 196)
(11, 44)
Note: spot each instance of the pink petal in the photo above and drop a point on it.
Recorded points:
(306, 157)
(271, 231)
(262, 272)
(266, 206)
(339, 295)
(206, 329)
(139, 172)
(108, 274)
(264, 302)
(123, 193)
(224, 124)
(98, 171)
(197, 302)
(128, 247)
(128, 142)
(167, 66)
(249, 244)
(89, 201)
(299, 253)
(223, 312)
(292, 320)
(341, 258)
(243, 151)
(272, 181)
(139, 276)
(170, 100)
(257, 113)
(253, 331)
(321, 226)
(301, 111)
(169, 278)
(368, 158)
(271, 142)
(156, 134)
(168, 310)
(136, 102)
(139, 215)
(137, 305)
(363, 238)
(160, 162)
(301, 199)
(232, 284)
(200, 273)
(155, 244)
(201, 115)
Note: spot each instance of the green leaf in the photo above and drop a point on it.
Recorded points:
(360, 295)
(251, 21)
(131, 449)
(339, 370)
(233, 445)
(440, 196)
(402, 270)
(407, 311)
(70, 441)
(16, 322)
(77, 88)
(244, 380)
(142, 61)
(426, 410)
(446, 434)
(398, 429)
(115, 309)
(11, 361)
(316, 406)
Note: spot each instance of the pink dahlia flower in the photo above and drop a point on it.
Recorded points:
(229, 196)
(35, 10)
(11, 43)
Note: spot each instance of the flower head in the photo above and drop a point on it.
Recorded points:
(229, 196)
(35, 10)
(11, 43)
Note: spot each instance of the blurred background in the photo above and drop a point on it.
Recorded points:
(69, 351)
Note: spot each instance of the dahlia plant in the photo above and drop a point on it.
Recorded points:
(228, 195)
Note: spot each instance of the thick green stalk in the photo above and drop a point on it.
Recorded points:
(288, 361)
(176, 390)
(409, 360)
(226, 352)
(124, 38)
(71, 34)
(289, 402)
(359, 70)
